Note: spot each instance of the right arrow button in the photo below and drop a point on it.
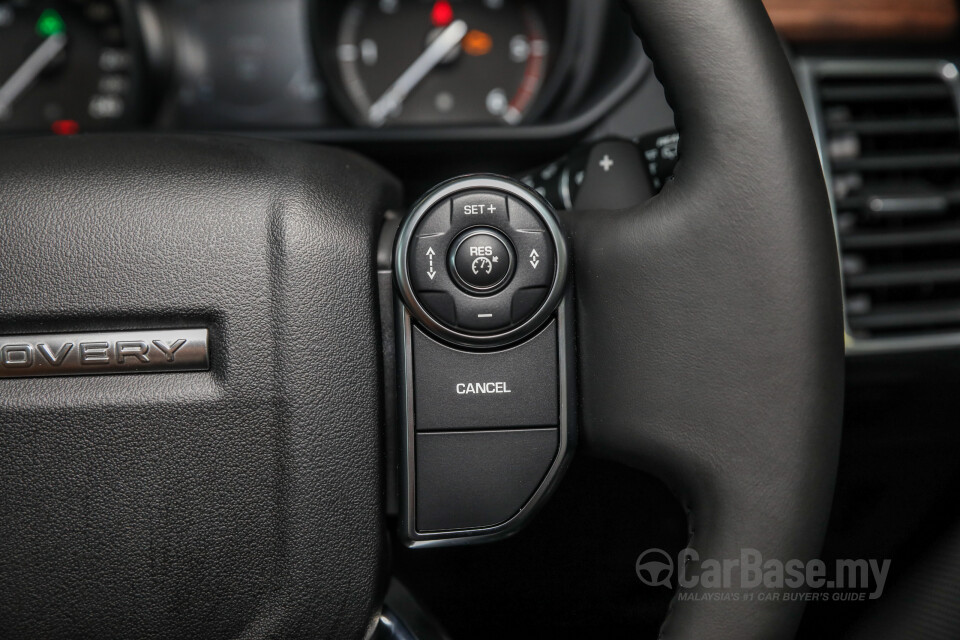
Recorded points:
(537, 263)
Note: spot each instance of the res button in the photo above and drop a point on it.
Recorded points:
(482, 261)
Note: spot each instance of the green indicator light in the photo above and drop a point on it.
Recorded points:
(50, 23)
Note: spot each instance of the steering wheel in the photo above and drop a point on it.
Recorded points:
(246, 498)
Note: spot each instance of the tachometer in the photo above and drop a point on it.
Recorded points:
(65, 66)
(441, 62)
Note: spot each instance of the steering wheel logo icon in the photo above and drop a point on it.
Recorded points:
(655, 568)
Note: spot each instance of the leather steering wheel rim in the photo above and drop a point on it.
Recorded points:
(710, 318)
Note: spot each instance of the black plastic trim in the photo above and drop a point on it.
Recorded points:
(407, 458)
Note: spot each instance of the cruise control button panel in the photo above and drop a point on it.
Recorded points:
(486, 379)
(494, 249)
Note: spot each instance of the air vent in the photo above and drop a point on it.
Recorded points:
(890, 140)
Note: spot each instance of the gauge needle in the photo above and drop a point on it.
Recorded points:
(448, 39)
(24, 76)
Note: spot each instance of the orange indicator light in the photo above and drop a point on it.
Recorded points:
(477, 43)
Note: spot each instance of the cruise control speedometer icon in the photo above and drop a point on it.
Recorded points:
(482, 265)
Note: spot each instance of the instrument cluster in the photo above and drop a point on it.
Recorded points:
(69, 66)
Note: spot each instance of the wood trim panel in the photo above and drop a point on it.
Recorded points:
(862, 19)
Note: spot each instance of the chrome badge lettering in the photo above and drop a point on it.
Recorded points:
(71, 354)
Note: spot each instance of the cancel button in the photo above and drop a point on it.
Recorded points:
(466, 388)
(456, 390)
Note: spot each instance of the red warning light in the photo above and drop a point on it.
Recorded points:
(442, 14)
(65, 127)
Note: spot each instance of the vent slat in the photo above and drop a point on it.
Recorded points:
(876, 205)
(891, 91)
(900, 162)
(913, 316)
(889, 126)
(935, 201)
(899, 276)
(888, 239)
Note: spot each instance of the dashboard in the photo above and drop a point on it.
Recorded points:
(73, 66)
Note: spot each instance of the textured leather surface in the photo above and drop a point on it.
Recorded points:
(710, 327)
(241, 502)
